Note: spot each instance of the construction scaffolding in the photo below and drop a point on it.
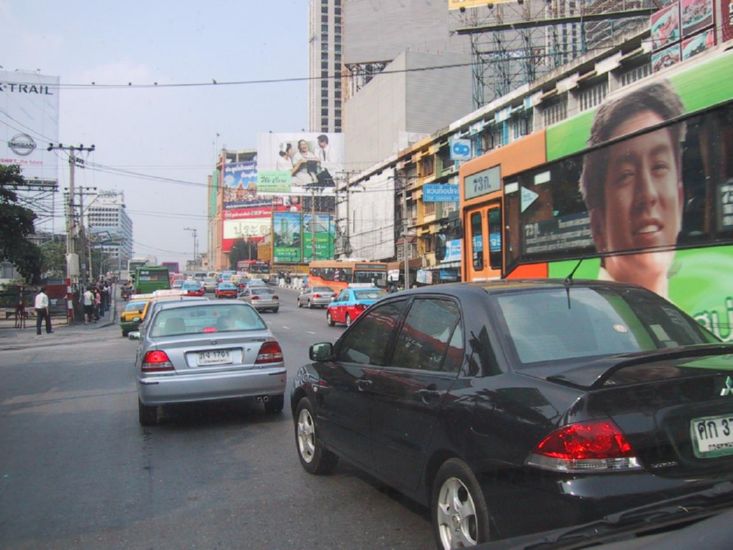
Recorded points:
(515, 43)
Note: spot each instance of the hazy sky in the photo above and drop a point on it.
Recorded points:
(167, 132)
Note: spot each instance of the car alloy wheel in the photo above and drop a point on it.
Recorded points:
(313, 457)
(460, 514)
(348, 320)
(329, 319)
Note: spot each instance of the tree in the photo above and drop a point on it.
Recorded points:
(242, 250)
(16, 223)
(53, 254)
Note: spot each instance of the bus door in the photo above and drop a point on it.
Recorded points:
(483, 225)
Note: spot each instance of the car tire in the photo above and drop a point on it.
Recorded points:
(275, 309)
(330, 320)
(148, 416)
(124, 333)
(275, 404)
(347, 320)
(467, 524)
(314, 457)
(310, 306)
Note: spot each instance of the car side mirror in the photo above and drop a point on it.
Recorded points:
(322, 351)
(134, 335)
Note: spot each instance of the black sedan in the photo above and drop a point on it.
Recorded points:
(519, 406)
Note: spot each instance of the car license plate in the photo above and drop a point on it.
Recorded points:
(712, 436)
(217, 357)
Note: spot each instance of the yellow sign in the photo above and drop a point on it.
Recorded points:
(458, 4)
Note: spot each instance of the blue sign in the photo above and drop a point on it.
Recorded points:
(439, 192)
(460, 149)
(452, 251)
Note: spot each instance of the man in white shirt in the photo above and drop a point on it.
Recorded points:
(88, 302)
(41, 307)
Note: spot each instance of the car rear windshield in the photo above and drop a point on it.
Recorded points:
(261, 291)
(201, 319)
(555, 324)
(370, 294)
(321, 289)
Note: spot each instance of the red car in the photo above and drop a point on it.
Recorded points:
(226, 290)
(193, 288)
(351, 302)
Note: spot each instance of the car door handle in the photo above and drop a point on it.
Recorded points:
(428, 396)
(363, 384)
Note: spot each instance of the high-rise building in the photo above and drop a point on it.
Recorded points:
(324, 92)
(110, 227)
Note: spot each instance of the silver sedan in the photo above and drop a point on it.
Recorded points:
(316, 296)
(206, 351)
(261, 298)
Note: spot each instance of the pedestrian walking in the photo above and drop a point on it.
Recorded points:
(20, 313)
(88, 302)
(97, 304)
(41, 307)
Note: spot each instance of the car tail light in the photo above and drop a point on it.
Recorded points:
(156, 361)
(270, 352)
(316, 295)
(595, 446)
(359, 307)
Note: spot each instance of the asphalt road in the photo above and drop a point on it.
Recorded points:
(77, 470)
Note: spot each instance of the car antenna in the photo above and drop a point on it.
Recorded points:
(569, 280)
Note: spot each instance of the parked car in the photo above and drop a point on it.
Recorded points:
(262, 298)
(351, 302)
(514, 407)
(206, 351)
(316, 296)
(193, 288)
(226, 290)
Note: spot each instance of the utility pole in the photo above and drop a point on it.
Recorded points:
(195, 251)
(405, 246)
(72, 271)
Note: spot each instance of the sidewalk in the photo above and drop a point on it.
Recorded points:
(12, 338)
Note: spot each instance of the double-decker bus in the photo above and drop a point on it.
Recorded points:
(638, 189)
(337, 274)
(149, 278)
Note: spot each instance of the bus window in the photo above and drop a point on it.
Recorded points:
(495, 238)
(477, 241)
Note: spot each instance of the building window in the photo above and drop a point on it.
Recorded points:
(324, 102)
(427, 165)
(337, 11)
(324, 64)
(324, 85)
(324, 74)
(324, 37)
(324, 28)
(324, 122)
(556, 111)
(337, 94)
(324, 112)
(324, 9)
(592, 95)
(635, 73)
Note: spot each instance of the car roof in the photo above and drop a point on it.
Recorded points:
(499, 286)
(197, 303)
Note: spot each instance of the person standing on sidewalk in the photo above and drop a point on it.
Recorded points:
(41, 307)
(88, 301)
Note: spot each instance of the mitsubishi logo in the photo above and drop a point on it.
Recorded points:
(728, 389)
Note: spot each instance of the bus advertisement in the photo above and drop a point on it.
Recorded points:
(338, 274)
(638, 190)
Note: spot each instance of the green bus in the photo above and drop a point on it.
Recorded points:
(149, 278)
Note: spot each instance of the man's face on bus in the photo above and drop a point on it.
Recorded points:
(643, 199)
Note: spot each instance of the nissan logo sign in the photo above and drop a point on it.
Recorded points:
(22, 144)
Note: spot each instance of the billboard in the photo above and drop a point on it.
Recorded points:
(726, 20)
(240, 186)
(29, 111)
(697, 44)
(298, 163)
(245, 223)
(665, 26)
(287, 238)
(324, 231)
(695, 15)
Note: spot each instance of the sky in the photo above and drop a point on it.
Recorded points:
(166, 132)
